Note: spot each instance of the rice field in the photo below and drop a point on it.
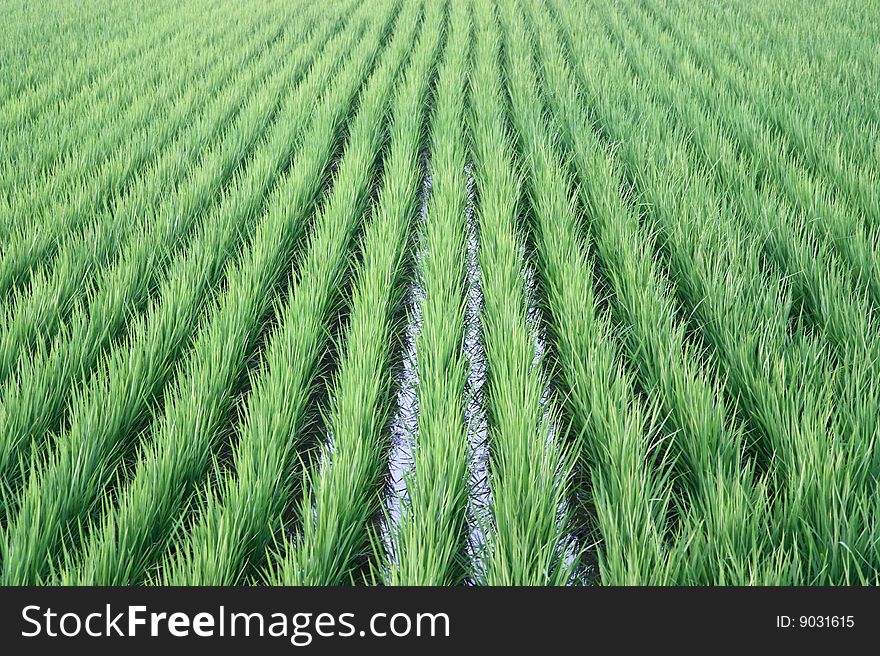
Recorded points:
(440, 292)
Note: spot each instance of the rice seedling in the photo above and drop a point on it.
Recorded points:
(137, 369)
(835, 140)
(62, 80)
(57, 77)
(71, 92)
(428, 540)
(841, 226)
(841, 313)
(76, 188)
(783, 383)
(529, 468)
(614, 449)
(342, 489)
(185, 435)
(701, 429)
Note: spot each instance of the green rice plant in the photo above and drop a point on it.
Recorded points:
(38, 39)
(830, 127)
(135, 372)
(783, 383)
(34, 402)
(184, 436)
(429, 539)
(706, 439)
(841, 312)
(99, 165)
(694, 200)
(106, 96)
(61, 103)
(58, 285)
(528, 469)
(841, 226)
(610, 424)
(88, 79)
(839, 309)
(849, 30)
(642, 338)
(45, 154)
(342, 492)
(239, 518)
(36, 34)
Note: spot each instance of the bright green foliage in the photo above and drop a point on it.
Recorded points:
(342, 490)
(529, 468)
(242, 520)
(428, 541)
(35, 401)
(179, 454)
(641, 297)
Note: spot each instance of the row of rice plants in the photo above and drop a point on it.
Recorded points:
(830, 121)
(644, 341)
(115, 403)
(529, 467)
(706, 442)
(342, 492)
(57, 285)
(73, 86)
(611, 427)
(846, 321)
(47, 81)
(103, 162)
(842, 314)
(782, 383)
(428, 540)
(35, 401)
(245, 512)
(188, 431)
(842, 227)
